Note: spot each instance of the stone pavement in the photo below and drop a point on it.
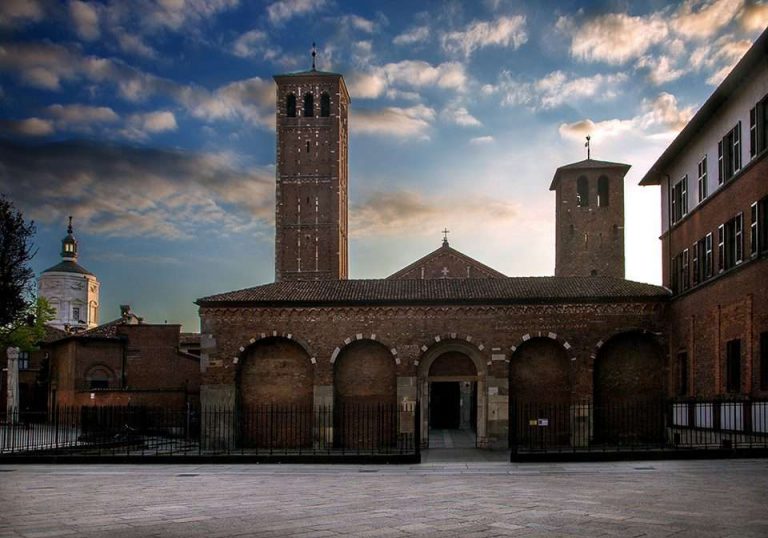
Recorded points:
(480, 499)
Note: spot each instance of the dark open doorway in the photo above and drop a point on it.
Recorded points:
(445, 405)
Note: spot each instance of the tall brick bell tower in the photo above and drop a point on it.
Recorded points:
(311, 214)
(589, 228)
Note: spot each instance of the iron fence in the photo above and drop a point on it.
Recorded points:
(266, 431)
(637, 425)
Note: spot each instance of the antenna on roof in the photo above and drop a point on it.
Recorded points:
(587, 145)
(314, 53)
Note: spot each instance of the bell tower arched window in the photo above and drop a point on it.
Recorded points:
(325, 105)
(602, 192)
(309, 105)
(290, 106)
(582, 192)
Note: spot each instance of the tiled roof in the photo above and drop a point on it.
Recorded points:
(105, 330)
(586, 164)
(68, 266)
(475, 291)
(51, 333)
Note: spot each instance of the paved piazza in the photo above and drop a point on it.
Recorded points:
(681, 499)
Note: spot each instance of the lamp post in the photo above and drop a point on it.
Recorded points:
(13, 384)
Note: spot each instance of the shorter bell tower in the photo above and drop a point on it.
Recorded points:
(589, 227)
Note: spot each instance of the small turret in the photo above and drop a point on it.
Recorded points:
(69, 245)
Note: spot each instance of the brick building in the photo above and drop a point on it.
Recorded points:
(447, 331)
(714, 191)
(123, 362)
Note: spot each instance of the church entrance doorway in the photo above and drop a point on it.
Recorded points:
(452, 385)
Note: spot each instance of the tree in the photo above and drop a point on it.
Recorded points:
(16, 276)
(29, 330)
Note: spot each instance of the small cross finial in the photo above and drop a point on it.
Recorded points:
(69, 228)
(314, 53)
(586, 145)
(445, 236)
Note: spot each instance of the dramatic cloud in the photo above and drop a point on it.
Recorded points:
(407, 74)
(86, 19)
(27, 127)
(555, 89)
(249, 44)
(140, 126)
(15, 12)
(287, 9)
(503, 32)
(411, 122)
(136, 192)
(133, 44)
(459, 115)
(660, 69)
(399, 212)
(613, 38)
(719, 57)
(175, 14)
(659, 117)
(414, 35)
(67, 115)
(754, 17)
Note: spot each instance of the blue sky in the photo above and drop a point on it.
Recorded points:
(152, 123)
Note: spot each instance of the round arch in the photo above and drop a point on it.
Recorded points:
(540, 370)
(360, 336)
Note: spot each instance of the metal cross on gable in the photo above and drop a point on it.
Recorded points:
(587, 145)
(445, 235)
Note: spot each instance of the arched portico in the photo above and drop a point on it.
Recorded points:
(454, 362)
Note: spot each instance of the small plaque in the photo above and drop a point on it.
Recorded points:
(543, 422)
(493, 391)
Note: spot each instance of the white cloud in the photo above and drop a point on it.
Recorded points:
(503, 32)
(133, 44)
(86, 19)
(67, 116)
(481, 140)
(660, 69)
(754, 17)
(410, 122)
(659, 117)
(407, 73)
(249, 44)
(555, 89)
(697, 19)
(14, 12)
(459, 115)
(414, 35)
(719, 57)
(27, 127)
(356, 22)
(284, 10)
(613, 38)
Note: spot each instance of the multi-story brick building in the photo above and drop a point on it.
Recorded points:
(714, 194)
(448, 331)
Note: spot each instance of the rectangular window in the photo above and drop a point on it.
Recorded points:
(753, 242)
(697, 251)
(738, 245)
(682, 373)
(23, 360)
(758, 128)
(729, 154)
(709, 266)
(684, 276)
(76, 314)
(680, 199)
(674, 275)
(764, 361)
(733, 366)
(762, 225)
(702, 181)
(721, 248)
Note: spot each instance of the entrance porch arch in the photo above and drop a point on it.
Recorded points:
(453, 361)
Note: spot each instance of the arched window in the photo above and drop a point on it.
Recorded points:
(582, 192)
(309, 105)
(602, 192)
(290, 106)
(325, 105)
(99, 377)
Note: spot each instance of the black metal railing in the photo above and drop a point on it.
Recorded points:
(266, 430)
(635, 425)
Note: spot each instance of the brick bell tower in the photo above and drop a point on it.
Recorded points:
(589, 228)
(311, 213)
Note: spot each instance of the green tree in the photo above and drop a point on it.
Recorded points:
(16, 275)
(31, 328)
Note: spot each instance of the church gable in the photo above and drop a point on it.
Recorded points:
(445, 262)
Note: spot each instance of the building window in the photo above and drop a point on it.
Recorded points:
(582, 192)
(684, 277)
(730, 243)
(697, 257)
(758, 127)
(76, 313)
(325, 105)
(602, 192)
(98, 377)
(729, 154)
(680, 199)
(702, 181)
(309, 105)
(682, 373)
(290, 106)
(23, 360)
(759, 227)
(679, 273)
(708, 263)
(764, 361)
(733, 366)
(753, 239)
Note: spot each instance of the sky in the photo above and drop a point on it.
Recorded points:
(152, 123)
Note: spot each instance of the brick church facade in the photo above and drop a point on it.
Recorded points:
(447, 331)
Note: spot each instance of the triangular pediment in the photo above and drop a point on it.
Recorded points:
(445, 262)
